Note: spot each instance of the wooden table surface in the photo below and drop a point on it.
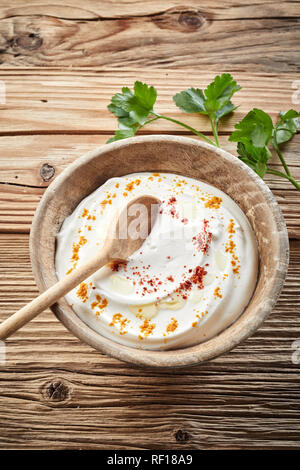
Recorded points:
(60, 63)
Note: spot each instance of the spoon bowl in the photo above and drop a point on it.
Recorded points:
(120, 243)
(125, 239)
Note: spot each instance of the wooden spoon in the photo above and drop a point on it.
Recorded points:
(122, 242)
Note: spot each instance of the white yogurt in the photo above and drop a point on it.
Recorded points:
(192, 277)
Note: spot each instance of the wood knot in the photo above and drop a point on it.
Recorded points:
(187, 20)
(47, 172)
(191, 19)
(29, 41)
(182, 436)
(56, 391)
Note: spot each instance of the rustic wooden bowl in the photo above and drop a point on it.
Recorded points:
(187, 157)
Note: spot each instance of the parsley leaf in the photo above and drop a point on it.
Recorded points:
(122, 134)
(138, 105)
(127, 125)
(191, 101)
(226, 109)
(287, 127)
(214, 99)
(145, 95)
(255, 132)
(117, 111)
(135, 109)
(213, 102)
(256, 128)
(255, 157)
(132, 109)
(219, 92)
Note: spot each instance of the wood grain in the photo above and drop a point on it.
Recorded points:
(94, 10)
(55, 391)
(29, 163)
(151, 34)
(46, 100)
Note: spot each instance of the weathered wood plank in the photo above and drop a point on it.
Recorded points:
(23, 159)
(61, 102)
(29, 163)
(162, 35)
(57, 392)
(93, 9)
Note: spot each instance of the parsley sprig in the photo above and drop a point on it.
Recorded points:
(214, 102)
(135, 109)
(255, 134)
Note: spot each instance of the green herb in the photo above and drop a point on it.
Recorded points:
(136, 109)
(213, 102)
(256, 132)
(255, 157)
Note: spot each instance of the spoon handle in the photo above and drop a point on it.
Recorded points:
(54, 293)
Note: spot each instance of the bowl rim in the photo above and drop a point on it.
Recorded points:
(191, 355)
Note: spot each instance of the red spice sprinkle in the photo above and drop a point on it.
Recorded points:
(115, 265)
(186, 285)
(173, 211)
(203, 239)
(196, 279)
(170, 278)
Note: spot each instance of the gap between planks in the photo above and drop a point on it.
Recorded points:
(246, 398)
(165, 34)
(95, 10)
(78, 102)
(23, 158)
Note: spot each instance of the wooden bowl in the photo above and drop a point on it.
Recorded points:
(187, 157)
